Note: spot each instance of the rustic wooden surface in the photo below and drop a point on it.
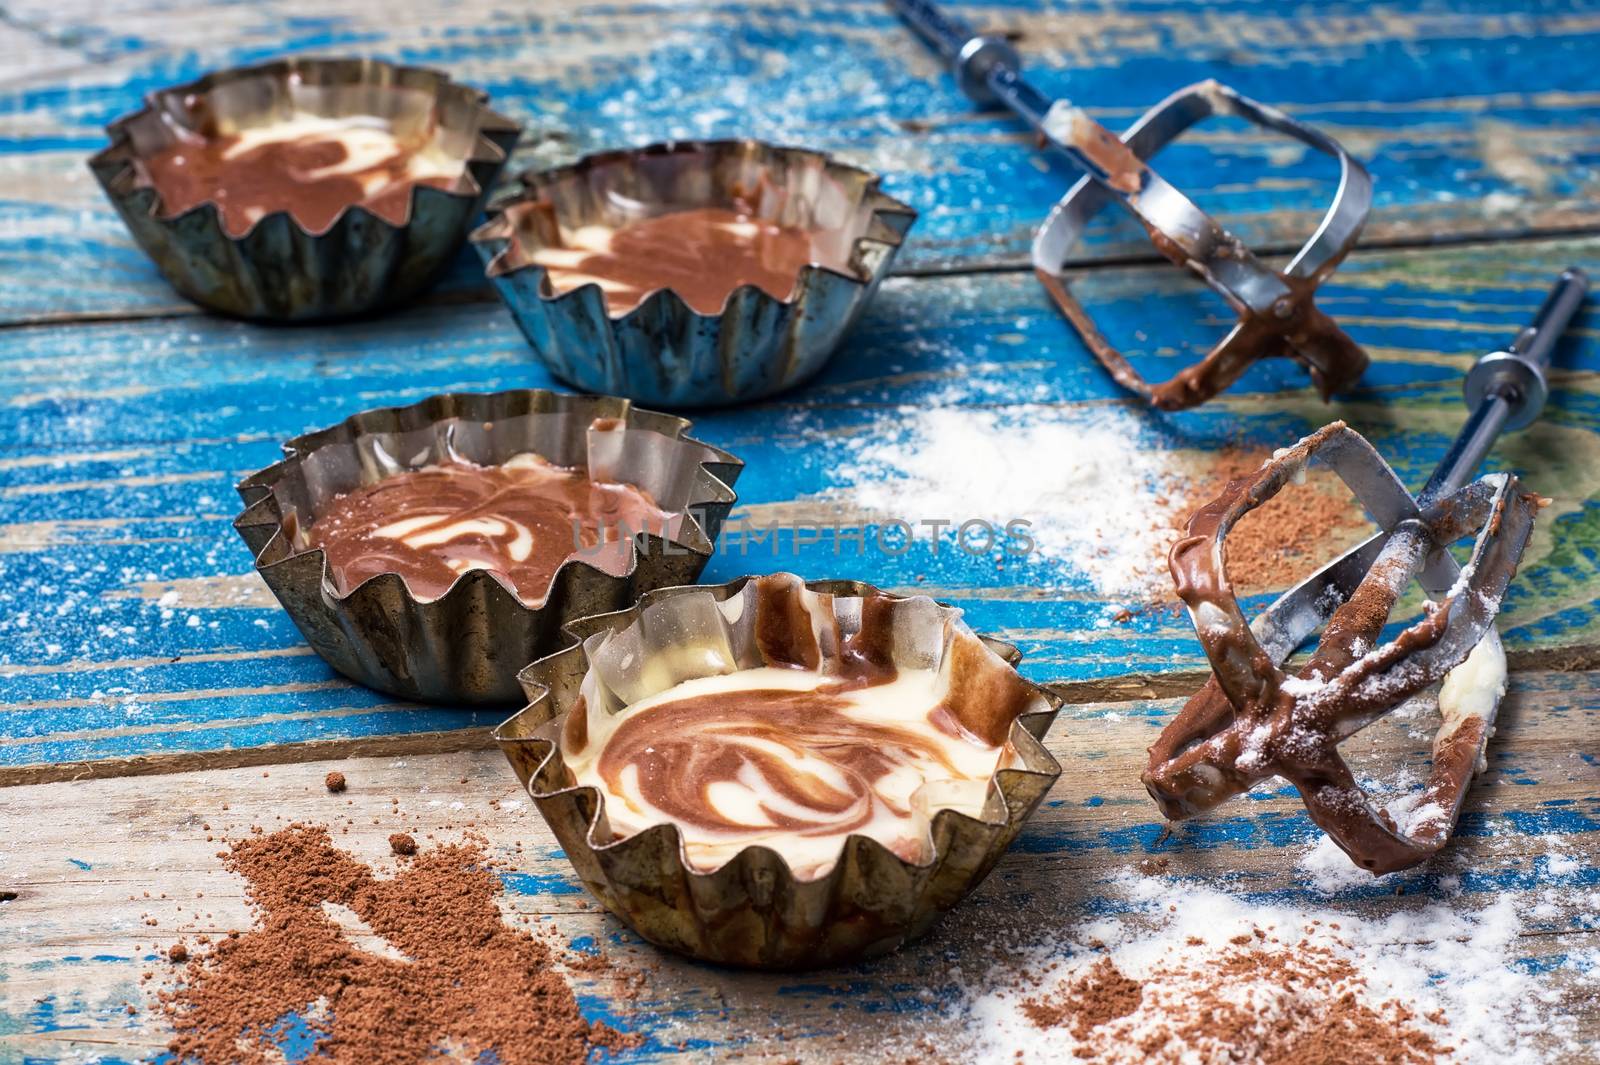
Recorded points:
(137, 647)
(77, 936)
(128, 415)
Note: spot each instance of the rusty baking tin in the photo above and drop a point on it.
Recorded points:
(753, 911)
(467, 645)
(278, 270)
(663, 352)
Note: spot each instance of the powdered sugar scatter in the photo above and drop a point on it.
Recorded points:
(1331, 869)
(1067, 471)
(1447, 971)
(1561, 865)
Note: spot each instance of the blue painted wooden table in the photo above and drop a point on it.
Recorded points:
(137, 648)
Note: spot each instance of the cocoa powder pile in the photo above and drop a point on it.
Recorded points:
(1284, 540)
(468, 985)
(1098, 997)
(1260, 1001)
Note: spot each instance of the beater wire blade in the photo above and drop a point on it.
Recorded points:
(1276, 309)
(1253, 720)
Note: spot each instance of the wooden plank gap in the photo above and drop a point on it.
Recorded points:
(450, 742)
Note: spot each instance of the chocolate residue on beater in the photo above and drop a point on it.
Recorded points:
(468, 983)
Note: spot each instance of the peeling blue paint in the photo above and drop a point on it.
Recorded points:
(540, 883)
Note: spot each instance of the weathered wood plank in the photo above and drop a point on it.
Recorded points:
(1466, 136)
(134, 630)
(75, 939)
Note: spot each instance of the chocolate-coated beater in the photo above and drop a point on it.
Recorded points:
(1277, 315)
(1252, 720)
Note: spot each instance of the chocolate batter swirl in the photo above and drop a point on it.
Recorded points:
(310, 166)
(701, 254)
(681, 750)
(520, 520)
(786, 758)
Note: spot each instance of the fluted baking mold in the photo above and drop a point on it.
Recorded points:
(467, 645)
(663, 352)
(279, 270)
(753, 911)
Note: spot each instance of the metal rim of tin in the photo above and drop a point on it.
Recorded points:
(279, 270)
(663, 352)
(752, 911)
(467, 645)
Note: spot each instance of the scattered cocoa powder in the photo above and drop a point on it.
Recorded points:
(1098, 996)
(465, 984)
(1259, 1001)
(1285, 539)
(177, 953)
(335, 781)
(402, 843)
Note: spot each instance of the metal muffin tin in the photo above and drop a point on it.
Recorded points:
(467, 645)
(279, 270)
(663, 352)
(753, 911)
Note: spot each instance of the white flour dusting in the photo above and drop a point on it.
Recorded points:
(1099, 491)
(1452, 965)
(1330, 869)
